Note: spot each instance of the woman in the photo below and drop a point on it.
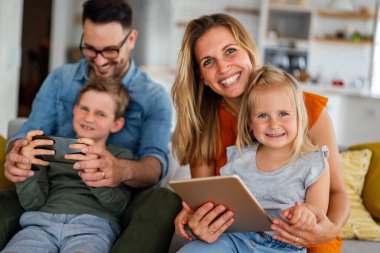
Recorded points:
(216, 59)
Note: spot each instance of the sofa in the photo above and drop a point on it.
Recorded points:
(176, 171)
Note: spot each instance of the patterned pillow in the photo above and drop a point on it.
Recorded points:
(360, 224)
(370, 195)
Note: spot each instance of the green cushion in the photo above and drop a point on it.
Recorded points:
(371, 196)
(4, 183)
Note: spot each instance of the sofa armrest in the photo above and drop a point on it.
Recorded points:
(14, 125)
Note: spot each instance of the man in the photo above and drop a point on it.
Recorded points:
(106, 44)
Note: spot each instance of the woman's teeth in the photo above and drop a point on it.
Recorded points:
(230, 80)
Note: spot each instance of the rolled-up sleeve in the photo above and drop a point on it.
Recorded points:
(44, 111)
(155, 133)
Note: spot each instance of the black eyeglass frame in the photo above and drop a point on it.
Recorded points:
(81, 48)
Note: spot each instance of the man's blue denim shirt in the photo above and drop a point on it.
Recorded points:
(147, 119)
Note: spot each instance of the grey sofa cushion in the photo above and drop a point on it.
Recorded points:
(14, 125)
(359, 246)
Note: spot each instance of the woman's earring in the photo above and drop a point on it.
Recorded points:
(204, 82)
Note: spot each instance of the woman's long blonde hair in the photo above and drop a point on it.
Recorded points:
(264, 80)
(197, 131)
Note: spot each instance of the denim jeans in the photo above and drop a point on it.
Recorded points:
(65, 233)
(241, 242)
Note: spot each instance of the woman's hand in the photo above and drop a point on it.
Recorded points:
(209, 222)
(323, 231)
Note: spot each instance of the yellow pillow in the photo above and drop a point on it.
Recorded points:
(4, 183)
(360, 224)
(371, 196)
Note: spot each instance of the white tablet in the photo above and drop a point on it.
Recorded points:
(231, 192)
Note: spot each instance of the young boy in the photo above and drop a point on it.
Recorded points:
(62, 213)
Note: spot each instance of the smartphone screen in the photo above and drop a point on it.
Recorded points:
(60, 146)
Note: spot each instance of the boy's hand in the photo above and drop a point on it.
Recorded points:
(300, 217)
(30, 151)
(83, 142)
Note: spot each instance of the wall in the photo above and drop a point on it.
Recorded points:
(10, 58)
(65, 30)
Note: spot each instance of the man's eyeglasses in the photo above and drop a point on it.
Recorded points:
(108, 53)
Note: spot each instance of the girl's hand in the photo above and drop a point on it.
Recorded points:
(209, 222)
(300, 217)
(83, 142)
(323, 231)
(31, 152)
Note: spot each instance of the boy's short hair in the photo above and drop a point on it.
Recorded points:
(106, 11)
(112, 86)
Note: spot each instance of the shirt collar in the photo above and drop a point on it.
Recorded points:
(131, 73)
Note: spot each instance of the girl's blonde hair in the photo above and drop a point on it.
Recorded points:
(197, 131)
(263, 81)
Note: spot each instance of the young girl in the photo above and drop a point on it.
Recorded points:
(276, 160)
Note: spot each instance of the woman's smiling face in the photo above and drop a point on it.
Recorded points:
(224, 65)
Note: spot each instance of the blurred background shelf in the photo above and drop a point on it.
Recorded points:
(246, 10)
(343, 41)
(346, 15)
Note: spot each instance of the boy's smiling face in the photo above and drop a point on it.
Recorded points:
(94, 117)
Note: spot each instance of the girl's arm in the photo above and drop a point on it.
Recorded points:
(318, 193)
(299, 216)
(322, 133)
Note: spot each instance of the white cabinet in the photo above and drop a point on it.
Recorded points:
(343, 47)
(355, 116)
(287, 37)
